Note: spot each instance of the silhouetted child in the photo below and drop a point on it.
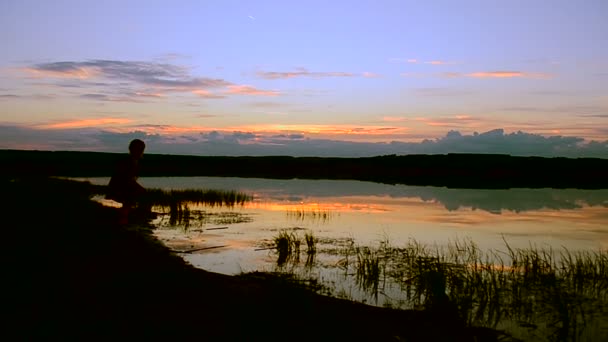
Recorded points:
(123, 186)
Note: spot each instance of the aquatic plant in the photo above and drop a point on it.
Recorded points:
(315, 214)
(534, 285)
(287, 246)
(529, 291)
(311, 243)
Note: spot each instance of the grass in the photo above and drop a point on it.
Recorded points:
(555, 294)
(310, 214)
(208, 197)
(287, 246)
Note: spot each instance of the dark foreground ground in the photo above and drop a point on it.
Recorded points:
(71, 273)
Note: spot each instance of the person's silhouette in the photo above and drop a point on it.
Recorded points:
(123, 186)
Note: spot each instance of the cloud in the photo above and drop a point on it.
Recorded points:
(123, 97)
(9, 96)
(147, 73)
(138, 81)
(393, 119)
(267, 104)
(95, 96)
(456, 121)
(403, 60)
(301, 72)
(368, 74)
(201, 141)
(498, 74)
(440, 92)
(207, 94)
(85, 123)
(249, 90)
(601, 116)
(438, 62)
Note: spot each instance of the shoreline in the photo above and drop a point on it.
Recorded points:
(76, 275)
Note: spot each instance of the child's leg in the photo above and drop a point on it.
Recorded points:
(124, 213)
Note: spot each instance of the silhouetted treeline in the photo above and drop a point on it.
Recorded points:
(451, 170)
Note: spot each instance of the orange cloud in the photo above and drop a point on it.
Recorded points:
(436, 62)
(85, 123)
(249, 90)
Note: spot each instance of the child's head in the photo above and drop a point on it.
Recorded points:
(136, 148)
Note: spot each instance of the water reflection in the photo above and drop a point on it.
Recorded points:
(574, 218)
(353, 223)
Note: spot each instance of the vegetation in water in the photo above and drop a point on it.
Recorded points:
(532, 293)
(315, 214)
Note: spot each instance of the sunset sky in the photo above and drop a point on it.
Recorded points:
(306, 77)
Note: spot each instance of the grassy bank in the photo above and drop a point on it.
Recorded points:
(73, 273)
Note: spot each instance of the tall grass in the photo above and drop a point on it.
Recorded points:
(537, 287)
(287, 246)
(178, 201)
(166, 198)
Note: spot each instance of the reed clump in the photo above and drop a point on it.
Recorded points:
(178, 202)
(287, 246)
(210, 197)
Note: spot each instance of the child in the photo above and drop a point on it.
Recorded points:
(123, 186)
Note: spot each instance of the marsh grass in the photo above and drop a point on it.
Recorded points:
(178, 203)
(208, 197)
(536, 287)
(533, 293)
(287, 247)
(311, 243)
(368, 269)
(309, 214)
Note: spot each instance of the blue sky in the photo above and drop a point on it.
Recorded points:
(278, 73)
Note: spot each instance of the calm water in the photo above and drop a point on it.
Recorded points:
(347, 213)
(369, 212)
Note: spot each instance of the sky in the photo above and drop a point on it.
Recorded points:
(318, 78)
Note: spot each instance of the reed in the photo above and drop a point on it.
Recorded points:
(287, 246)
(558, 291)
(311, 243)
(316, 214)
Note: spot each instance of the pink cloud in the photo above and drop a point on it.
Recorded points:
(249, 90)
(368, 74)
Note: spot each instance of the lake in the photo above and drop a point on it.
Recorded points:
(370, 212)
(347, 217)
